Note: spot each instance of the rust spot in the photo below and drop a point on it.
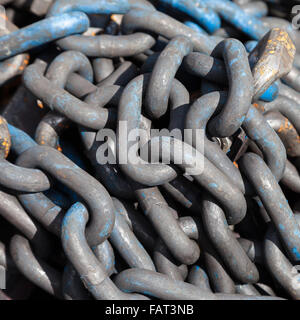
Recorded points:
(259, 107)
(285, 126)
(114, 18)
(40, 104)
(4, 17)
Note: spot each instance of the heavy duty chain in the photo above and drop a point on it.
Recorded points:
(149, 150)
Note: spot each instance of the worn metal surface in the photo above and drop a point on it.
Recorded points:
(87, 212)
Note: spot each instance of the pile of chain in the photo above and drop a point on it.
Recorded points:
(86, 213)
